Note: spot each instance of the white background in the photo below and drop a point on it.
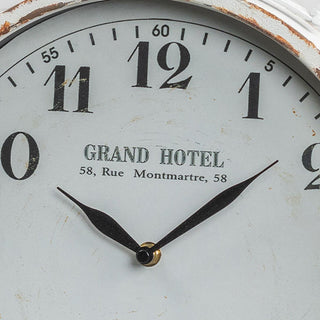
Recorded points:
(309, 4)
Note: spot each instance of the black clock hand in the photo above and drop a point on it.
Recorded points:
(105, 224)
(219, 202)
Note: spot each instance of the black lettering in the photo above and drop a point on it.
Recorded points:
(6, 153)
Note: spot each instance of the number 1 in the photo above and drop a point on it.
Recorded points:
(254, 92)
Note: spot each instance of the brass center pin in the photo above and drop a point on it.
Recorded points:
(156, 255)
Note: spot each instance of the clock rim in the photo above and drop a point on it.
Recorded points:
(291, 31)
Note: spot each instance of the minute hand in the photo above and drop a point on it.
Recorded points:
(215, 205)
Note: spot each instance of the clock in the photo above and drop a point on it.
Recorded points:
(159, 159)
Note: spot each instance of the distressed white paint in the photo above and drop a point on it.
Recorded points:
(304, 7)
(309, 5)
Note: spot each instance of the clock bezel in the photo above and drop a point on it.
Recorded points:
(295, 33)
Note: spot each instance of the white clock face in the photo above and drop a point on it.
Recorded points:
(147, 110)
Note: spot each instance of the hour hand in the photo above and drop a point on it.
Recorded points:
(105, 224)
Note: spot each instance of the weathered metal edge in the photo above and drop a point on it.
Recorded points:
(299, 37)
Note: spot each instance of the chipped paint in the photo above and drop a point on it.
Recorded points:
(274, 17)
(252, 22)
(25, 16)
(301, 38)
(317, 72)
(288, 45)
(39, 12)
(280, 39)
(18, 5)
(5, 28)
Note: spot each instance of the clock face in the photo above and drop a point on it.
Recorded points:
(147, 110)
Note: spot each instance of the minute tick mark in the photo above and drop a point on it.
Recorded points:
(70, 46)
(205, 38)
(248, 55)
(183, 30)
(137, 31)
(93, 42)
(226, 48)
(287, 81)
(12, 81)
(30, 67)
(114, 34)
(304, 97)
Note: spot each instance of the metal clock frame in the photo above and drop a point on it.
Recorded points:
(293, 31)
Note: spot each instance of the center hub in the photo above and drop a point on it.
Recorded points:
(146, 256)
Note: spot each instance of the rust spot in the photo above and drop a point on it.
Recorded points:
(256, 25)
(21, 298)
(18, 5)
(41, 11)
(136, 118)
(295, 113)
(287, 44)
(5, 28)
(317, 72)
(294, 31)
(225, 11)
(313, 133)
(281, 40)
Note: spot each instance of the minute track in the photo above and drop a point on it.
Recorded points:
(4, 42)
